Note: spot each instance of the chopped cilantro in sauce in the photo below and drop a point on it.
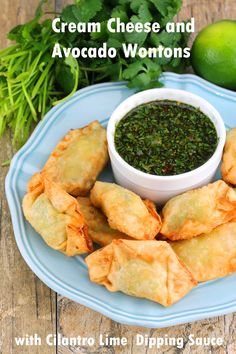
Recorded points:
(165, 138)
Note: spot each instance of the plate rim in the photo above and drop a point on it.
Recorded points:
(81, 297)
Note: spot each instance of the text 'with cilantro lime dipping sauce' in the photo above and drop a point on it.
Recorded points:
(165, 138)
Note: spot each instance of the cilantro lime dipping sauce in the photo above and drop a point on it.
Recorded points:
(165, 138)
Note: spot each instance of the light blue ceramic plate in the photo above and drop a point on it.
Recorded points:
(69, 276)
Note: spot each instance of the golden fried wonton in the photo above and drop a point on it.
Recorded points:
(198, 211)
(212, 255)
(78, 159)
(99, 230)
(228, 167)
(126, 211)
(146, 269)
(56, 216)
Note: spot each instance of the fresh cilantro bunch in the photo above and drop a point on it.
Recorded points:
(31, 81)
(28, 77)
(140, 73)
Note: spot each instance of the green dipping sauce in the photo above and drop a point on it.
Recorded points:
(165, 138)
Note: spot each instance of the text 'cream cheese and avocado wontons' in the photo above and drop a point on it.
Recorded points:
(198, 211)
(126, 211)
(78, 159)
(56, 216)
(146, 269)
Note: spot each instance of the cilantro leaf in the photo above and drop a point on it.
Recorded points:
(141, 73)
(136, 4)
(167, 8)
(120, 13)
(135, 37)
(64, 77)
(70, 13)
(142, 9)
(89, 8)
(144, 12)
(102, 35)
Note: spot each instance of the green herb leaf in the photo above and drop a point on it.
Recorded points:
(135, 37)
(72, 71)
(83, 11)
(142, 73)
(167, 8)
(64, 77)
(70, 13)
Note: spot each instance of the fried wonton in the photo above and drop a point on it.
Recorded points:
(198, 211)
(99, 230)
(211, 255)
(146, 269)
(56, 216)
(78, 159)
(228, 167)
(126, 211)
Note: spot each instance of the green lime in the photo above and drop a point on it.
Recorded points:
(213, 54)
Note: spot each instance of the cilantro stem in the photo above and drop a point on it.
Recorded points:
(41, 79)
(3, 52)
(44, 97)
(2, 125)
(10, 92)
(52, 13)
(16, 55)
(29, 102)
(93, 69)
(6, 163)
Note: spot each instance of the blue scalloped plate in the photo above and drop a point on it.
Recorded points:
(69, 276)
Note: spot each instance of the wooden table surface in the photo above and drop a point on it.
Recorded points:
(27, 306)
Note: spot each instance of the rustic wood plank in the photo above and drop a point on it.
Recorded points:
(75, 319)
(27, 306)
(17, 12)
(206, 11)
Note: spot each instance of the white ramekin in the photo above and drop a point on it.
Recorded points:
(161, 188)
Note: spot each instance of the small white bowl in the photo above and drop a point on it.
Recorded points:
(162, 188)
